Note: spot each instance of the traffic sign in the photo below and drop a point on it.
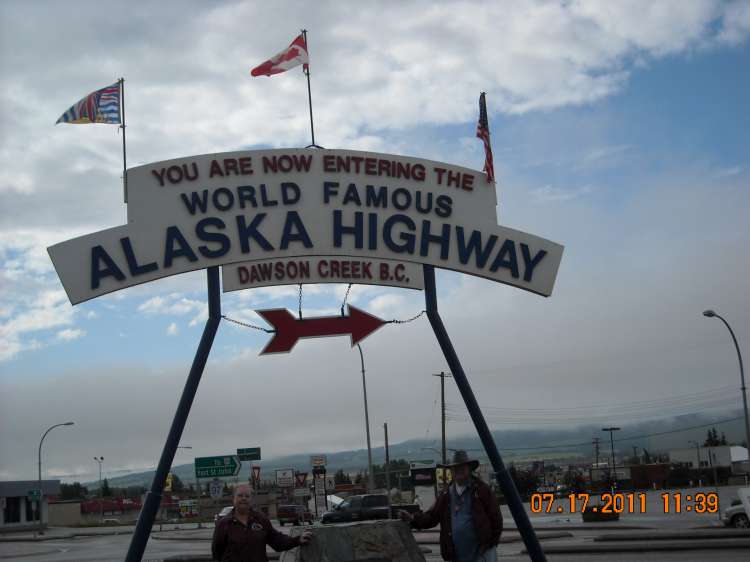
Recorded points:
(427, 463)
(210, 467)
(34, 495)
(215, 488)
(285, 478)
(249, 454)
(318, 460)
(301, 478)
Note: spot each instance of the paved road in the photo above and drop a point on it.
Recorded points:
(113, 548)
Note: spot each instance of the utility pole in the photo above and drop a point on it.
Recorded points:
(387, 462)
(442, 376)
(370, 477)
(100, 460)
(698, 459)
(595, 442)
(612, 445)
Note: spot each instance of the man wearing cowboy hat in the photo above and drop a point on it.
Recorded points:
(468, 513)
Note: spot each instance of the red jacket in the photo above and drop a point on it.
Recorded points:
(235, 542)
(488, 521)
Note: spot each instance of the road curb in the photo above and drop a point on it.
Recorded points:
(645, 546)
(695, 534)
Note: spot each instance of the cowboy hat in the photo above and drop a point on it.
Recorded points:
(460, 458)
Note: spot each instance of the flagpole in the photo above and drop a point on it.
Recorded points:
(122, 126)
(309, 94)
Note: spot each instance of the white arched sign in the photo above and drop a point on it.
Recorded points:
(273, 217)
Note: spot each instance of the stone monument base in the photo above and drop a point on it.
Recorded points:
(367, 541)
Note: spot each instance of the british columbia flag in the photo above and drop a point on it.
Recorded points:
(102, 106)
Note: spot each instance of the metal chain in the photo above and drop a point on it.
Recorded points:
(394, 321)
(246, 325)
(300, 301)
(346, 296)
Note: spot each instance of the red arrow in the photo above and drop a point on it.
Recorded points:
(359, 324)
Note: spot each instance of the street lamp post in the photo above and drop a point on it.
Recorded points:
(712, 314)
(196, 478)
(612, 448)
(197, 488)
(370, 479)
(41, 495)
(100, 460)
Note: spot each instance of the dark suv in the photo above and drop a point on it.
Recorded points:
(358, 508)
(293, 514)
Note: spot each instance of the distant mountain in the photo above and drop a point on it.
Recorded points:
(516, 446)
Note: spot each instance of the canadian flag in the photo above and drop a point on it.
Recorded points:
(294, 55)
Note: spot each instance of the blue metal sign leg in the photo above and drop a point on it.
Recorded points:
(153, 497)
(536, 553)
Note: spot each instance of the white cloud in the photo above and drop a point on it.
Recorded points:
(173, 330)
(45, 310)
(548, 193)
(729, 172)
(735, 23)
(70, 335)
(174, 304)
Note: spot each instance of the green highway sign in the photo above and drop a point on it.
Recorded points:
(251, 454)
(211, 467)
(34, 495)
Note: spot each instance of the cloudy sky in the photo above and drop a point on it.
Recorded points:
(620, 130)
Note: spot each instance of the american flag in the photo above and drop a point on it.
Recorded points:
(483, 132)
(102, 106)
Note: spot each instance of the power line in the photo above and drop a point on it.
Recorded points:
(631, 438)
(542, 418)
(727, 390)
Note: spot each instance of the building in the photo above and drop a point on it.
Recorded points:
(19, 509)
(727, 456)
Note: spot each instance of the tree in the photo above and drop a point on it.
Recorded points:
(712, 438)
(340, 477)
(106, 490)
(723, 440)
(73, 491)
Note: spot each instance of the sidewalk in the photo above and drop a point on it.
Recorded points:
(62, 533)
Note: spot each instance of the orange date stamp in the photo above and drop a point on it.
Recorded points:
(626, 502)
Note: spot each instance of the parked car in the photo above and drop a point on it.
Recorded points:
(295, 514)
(365, 507)
(735, 516)
(224, 512)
